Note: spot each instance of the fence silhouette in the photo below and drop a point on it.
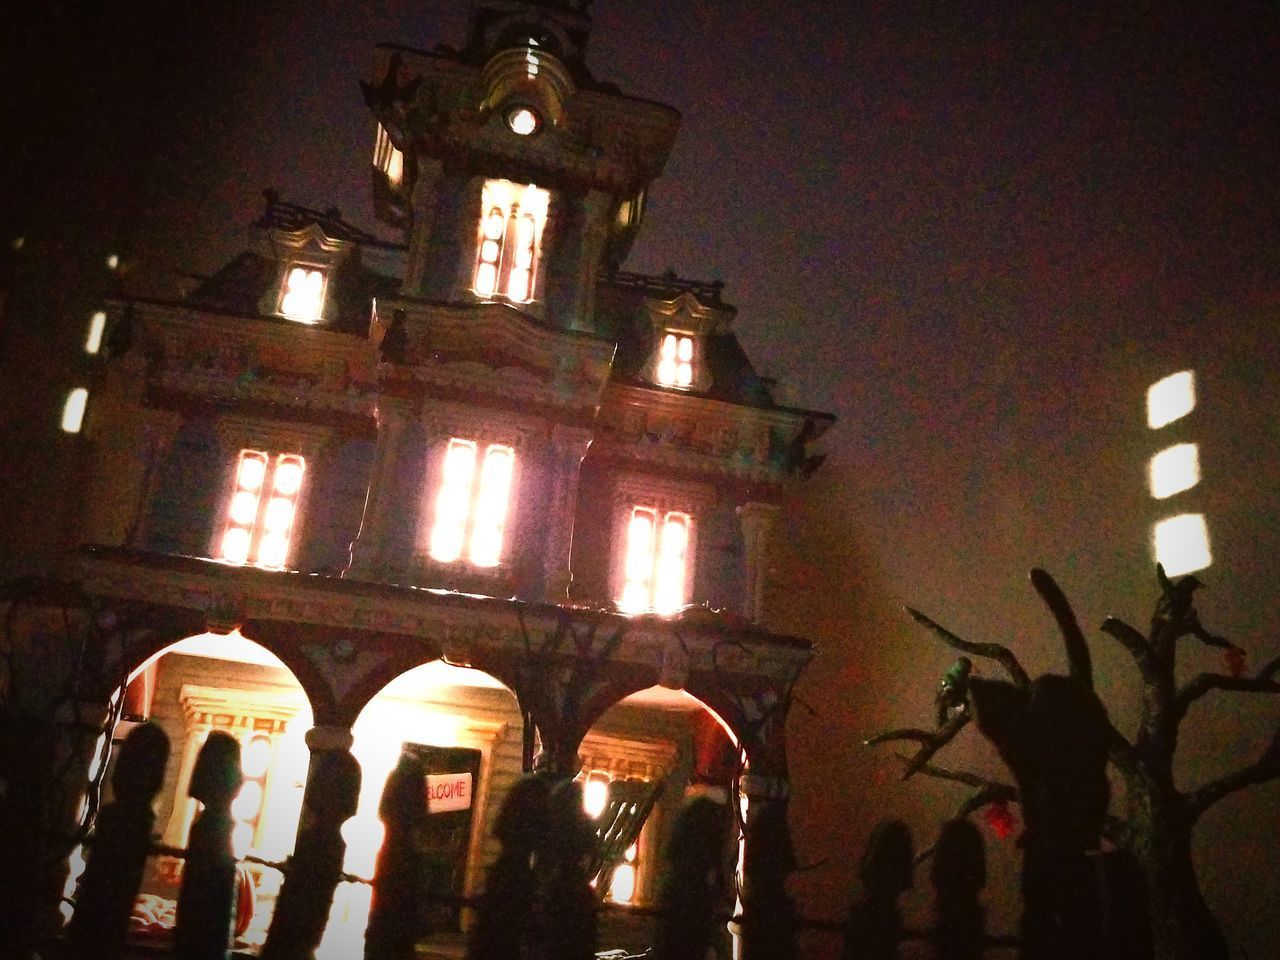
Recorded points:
(538, 903)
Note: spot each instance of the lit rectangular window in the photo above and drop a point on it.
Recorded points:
(264, 506)
(622, 887)
(387, 157)
(675, 360)
(302, 297)
(97, 326)
(1182, 544)
(1175, 469)
(655, 566)
(73, 410)
(512, 216)
(1171, 399)
(472, 504)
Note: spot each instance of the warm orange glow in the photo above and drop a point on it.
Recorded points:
(387, 157)
(622, 888)
(669, 590)
(513, 216)
(248, 802)
(471, 511)
(675, 360)
(639, 561)
(491, 506)
(655, 572)
(448, 532)
(303, 295)
(595, 795)
(255, 757)
(257, 530)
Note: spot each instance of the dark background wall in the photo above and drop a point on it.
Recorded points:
(977, 234)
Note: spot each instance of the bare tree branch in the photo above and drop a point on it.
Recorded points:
(1264, 681)
(1266, 768)
(992, 651)
(1079, 660)
(1135, 643)
(931, 741)
(995, 789)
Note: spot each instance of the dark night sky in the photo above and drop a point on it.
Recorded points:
(976, 232)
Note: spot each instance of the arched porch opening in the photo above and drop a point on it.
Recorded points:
(641, 761)
(188, 688)
(465, 726)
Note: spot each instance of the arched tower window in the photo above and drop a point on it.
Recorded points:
(510, 240)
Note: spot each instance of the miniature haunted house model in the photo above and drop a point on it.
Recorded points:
(475, 501)
(1141, 898)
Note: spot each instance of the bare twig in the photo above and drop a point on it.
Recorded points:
(1265, 769)
(931, 741)
(992, 651)
(998, 790)
(1264, 681)
(1079, 660)
(1135, 643)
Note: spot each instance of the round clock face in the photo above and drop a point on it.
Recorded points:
(522, 121)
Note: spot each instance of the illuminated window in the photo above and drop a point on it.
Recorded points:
(1182, 544)
(1175, 469)
(675, 360)
(471, 505)
(522, 121)
(246, 809)
(1171, 398)
(263, 508)
(622, 887)
(97, 326)
(655, 565)
(303, 295)
(73, 410)
(595, 794)
(511, 221)
(387, 157)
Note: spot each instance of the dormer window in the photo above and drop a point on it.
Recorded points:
(675, 360)
(510, 240)
(302, 294)
(472, 503)
(387, 158)
(263, 508)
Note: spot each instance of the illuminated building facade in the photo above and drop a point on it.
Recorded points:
(481, 492)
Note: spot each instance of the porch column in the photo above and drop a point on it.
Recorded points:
(768, 925)
(372, 552)
(758, 521)
(315, 869)
(564, 462)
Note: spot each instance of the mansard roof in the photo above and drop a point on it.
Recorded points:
(626, 306)
(248, 281)
(241, 285)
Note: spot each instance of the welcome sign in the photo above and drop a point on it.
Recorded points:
(448, 791)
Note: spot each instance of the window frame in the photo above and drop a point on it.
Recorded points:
(483, 445)
(257, 528)
(504, 262)
(386, 156)
(310, 267)
(661, 521)
(694, 361)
